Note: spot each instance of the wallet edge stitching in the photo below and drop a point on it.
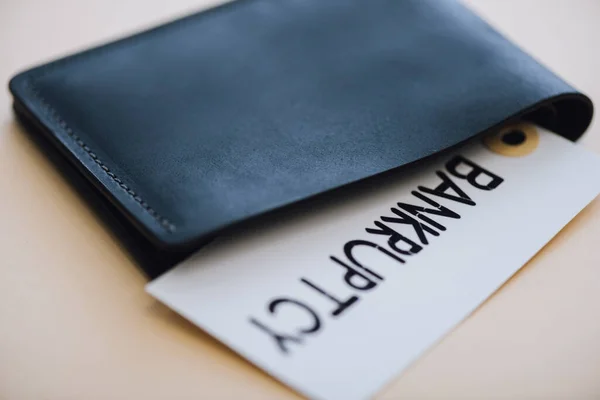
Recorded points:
(163, 222)
(29, 86)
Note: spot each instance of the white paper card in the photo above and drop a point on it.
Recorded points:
(336, 299)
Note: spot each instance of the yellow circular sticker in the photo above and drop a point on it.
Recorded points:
(514, 140)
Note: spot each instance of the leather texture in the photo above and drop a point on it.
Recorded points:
(193, 127)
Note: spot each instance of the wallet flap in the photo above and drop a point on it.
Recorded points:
(197, 125)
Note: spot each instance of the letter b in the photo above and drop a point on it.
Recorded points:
(493, 180)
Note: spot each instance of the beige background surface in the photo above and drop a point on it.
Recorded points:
(76, 324)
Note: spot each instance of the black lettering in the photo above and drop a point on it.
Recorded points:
(341, 305)
(352, 276)
(395, 238)
(349, 247)
(282, 338)
(419, 211)
(419, 228)
(475, 172)
(441, 190)
(348, 252)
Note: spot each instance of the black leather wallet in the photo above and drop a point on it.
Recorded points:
(183, 131)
